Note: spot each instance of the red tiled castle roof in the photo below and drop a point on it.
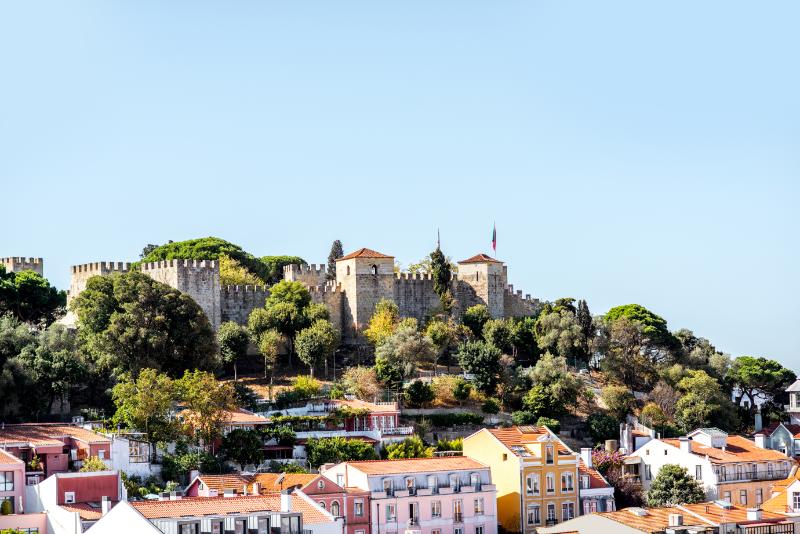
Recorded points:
(365, 253)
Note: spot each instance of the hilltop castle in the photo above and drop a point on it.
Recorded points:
(363, 278)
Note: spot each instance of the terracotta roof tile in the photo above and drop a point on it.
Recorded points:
(480, 258)
(737, 449)
(416, 465)
(244, 417)
(8, 458)
(202, 506)
(43, 434)
(767, 431)
(735, 514)
(267, 481)
(365, 253)
(373, 407)
(655, 520)
(516, 436)
(596, 480)
(87, 512)
(707, 514)
(778, 503)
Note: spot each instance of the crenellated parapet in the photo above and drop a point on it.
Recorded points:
(15, 264)
(237, 302)
(310, 275)
(197, 278)
(80, 274)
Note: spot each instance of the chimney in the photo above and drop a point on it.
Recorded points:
(286, 502)
(754, 514)
(611, 445)
(759, 423)
(761, 441)
(256, 488)
(229, 493)
(685, 444)
(675, 520)
(174, 496)
(105, 505)
(586, 456)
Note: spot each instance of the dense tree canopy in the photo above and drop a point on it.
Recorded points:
(673, 486)
(654, 328)
(475, 317)
(233, 341)
(30, 297)
(316, 344)
(759, 378)
(337, 251)
(130, 322)
(334, 450)
(483, 361)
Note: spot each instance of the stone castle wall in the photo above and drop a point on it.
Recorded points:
(311, 275)
(332, 297)
(414, 295)
(238, 301)
(515, 305)
(197, 278)
(82, 273)
(16, 264)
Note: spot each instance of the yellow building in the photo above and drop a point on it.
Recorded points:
(536, 475)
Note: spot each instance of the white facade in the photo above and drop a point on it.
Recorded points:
(132, 456)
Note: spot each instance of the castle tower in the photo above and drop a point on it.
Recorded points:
(197, 278)
(365, 277)
(310, 275)
(81, 274)
(16, 264)
(482, 280)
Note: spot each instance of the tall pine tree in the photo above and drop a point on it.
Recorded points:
(441, 273)
(336, 252)
(584, 317)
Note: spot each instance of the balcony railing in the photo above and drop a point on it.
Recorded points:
(458, 517)
(777, 474)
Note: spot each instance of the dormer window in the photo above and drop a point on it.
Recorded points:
(410, 485)
(474, 480)
(432, 482)
(454, 482)
(549, 454)
(388, 486)
(69, 497)
(584, 481)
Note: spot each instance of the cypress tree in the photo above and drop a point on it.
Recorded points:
(336, 252)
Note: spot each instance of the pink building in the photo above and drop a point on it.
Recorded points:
(351, 504)
(451, 495)
(59, 448)
(12, 481)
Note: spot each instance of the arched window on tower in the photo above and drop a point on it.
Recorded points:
(348, 270)
(374, 269)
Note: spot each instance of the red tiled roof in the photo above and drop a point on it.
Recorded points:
(737, 449)
(596, 480)
(371, 406)
(267, 481)
(480, 258)
(43, 434)
(516, 436)
(87, 512)
(767, 431)
(244, 417)
(8, 458)
(779, 502)
(416, 465)
(365, 253)
(735, 514)
(655, 520)
(202, 506)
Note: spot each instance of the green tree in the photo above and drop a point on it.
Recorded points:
(555, 389)
(245, 447)
(284, 311)
(483, 361)
(553, 424)
(625, 361)
(233, 273)
(269, 343)
(337, 251)
(602, 427)
(759, 379)
(475, 317)
(442, 276)
(293, 292)
(560, 333)
(338, 449)
(403, 352)
(54, 364)
(654, 328)
(207, 405)
(29, 297)
(145, 403)
(619, 401)
(499, 333)
(233, 341)
(92, 464)
(586, 323)
(383, 322)
(703, 403)
(361, 382)
(131, 322)
(16, 379)
(673, 486)
(418, 393)
(412, 447)
(273, 266)
(316, 344)
(524, 339)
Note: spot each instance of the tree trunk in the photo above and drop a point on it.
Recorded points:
(235, 372)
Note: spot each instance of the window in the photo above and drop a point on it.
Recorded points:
(69, 497)
(795, 501)
(138, 452)
(479, 529)
(551, 513)
(551, 483)
(218, 527)
(410, 484)
(191, 528)
(610, 505)
(739, 472)
(665, 452)
(458, 517)
(360, 532)
(698, 472)
(323, 505)
(436, 508)
(388, 486)
(585, 483)
(532, 484)
(263, 525)
(454, 481)
(340, 480)
(11, 500)
(567, 482)
(458, 530)
(432, 482)
(436, 531)
(335, 508)
(390, 512)
(726, 496)
(567, 511)
(240, 526)
(505, 457)
(479, 506)
(474, 480)
(6, 480)
(374, 269)
(770, 469)
(648, 473)
(101, 454)
(759, 496)
(413, 513)
(534, 517)
(321, 484)
(358, 507)
(743, 496)
(549, 454)
(348, 270)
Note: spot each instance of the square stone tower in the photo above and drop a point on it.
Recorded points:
(197, 278)
(16, 264)
(366, 277)
(482, 280)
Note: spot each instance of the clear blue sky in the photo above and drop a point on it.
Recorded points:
(629, 152)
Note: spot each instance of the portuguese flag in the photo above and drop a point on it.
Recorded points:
(494, 237)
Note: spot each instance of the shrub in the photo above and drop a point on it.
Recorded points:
(602, 427)
(462, 390)
(306, 386)
(412, 447)
(450, 445)
(523, 417)
(6, 508)
(451, 419)
(418, 393)
(93, 463)
(552, 424)
(619, 401)
(491, 406)
(334, 450)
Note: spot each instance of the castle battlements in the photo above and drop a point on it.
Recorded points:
(15, 264)
(21, 259)
(245, 289)
(312, 268)
(197, 264)
(102, 267)
(413, 276)
(330, 287)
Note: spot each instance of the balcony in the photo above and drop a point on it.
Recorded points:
(458, 517)
(398, 431)
(777, 474)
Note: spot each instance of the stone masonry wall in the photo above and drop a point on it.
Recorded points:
(414, 295)
(238, 301)
(16, 264)
(311, 275)
(197, 278)
(81, 274)
(331, 296)
(518, 306)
